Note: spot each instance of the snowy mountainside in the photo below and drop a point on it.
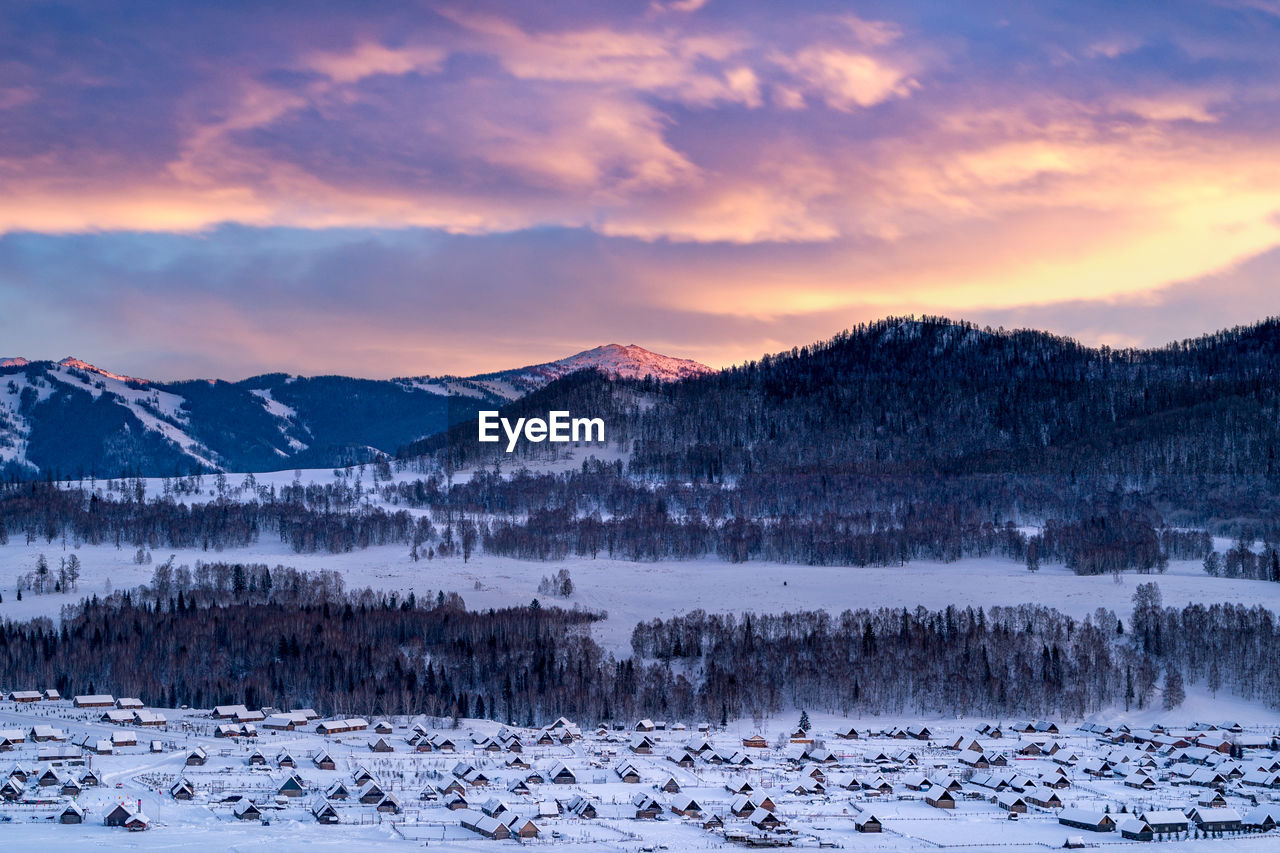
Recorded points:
(614, 360)
(82, 412)
(73, 418)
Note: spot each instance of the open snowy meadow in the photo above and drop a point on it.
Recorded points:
(635, 591)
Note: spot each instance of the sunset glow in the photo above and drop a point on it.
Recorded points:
(229, 189)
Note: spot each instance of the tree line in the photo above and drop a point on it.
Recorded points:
(1094, 545)
(49, 512)
(283, 639)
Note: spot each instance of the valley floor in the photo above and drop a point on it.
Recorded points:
(632, 592)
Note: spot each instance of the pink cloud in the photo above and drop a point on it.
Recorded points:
(369, 58)
(846, 80)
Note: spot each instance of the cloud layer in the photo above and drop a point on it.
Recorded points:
(341, 186)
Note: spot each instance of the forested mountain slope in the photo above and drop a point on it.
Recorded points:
(930, 423)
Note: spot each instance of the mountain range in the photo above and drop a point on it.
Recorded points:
(930, 421)
(72, 418)
(1012, 420)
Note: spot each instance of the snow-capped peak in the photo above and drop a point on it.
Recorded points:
(630, 362)
(17, 361)
(78, 364)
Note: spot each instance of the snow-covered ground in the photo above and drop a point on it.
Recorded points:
(635, 591)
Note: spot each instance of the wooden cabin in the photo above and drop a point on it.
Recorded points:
(940, 798)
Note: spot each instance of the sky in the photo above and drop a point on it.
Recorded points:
(230, 188)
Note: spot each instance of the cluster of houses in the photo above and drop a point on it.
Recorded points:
(1231, 767)
(23, 697)
(30, 785)
(1215, 757)
(506, 782)
(24, 781)
(468, 790)
(58, 745)
(236, 721)
(1173, 823)
(1018, 768)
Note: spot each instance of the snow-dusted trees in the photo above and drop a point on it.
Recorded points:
(560, 584)
(1005, 660)
(42, 579)
(1174, 693)
(41, 583)
(291, 638)
(817, 516)
(1242, 561)
(308, 643)
(313, 518)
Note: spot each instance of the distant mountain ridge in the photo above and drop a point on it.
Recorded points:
(931, 397)
(73, 418)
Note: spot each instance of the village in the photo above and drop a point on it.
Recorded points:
(92, 764)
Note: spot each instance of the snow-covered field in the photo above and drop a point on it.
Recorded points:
(845, 781)
(632, 592)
